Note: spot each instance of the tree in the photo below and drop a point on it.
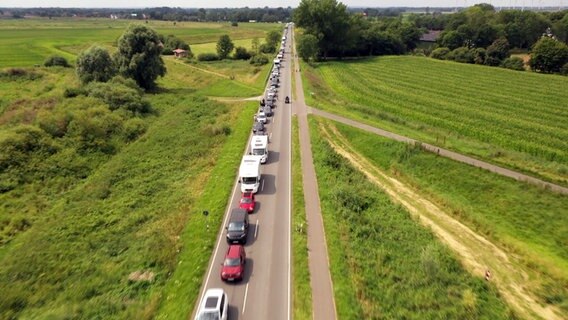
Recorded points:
(272, 39)
(95, 64)
(328, 20)
(138, 56)
(224, 46)
(548, 55)
(255, 45)
(308, 47)
(497, 52)
(241, 53)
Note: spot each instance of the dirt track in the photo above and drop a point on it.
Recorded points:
(475, 251)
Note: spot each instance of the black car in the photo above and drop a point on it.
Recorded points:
(287, 100)
(268, 111)
(238, 226)
(258, 128)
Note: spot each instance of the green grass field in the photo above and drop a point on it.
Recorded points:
(385, 264)
(510, 118)
(73, 231)
(530, 222)
(26, 42)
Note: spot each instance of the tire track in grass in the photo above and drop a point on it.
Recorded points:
(475, 251)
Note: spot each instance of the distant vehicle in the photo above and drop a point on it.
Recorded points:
(280, 56)
(261, 117)
(258, 126)
(214, 305)
(287, 100)
(248, 202)
(249, 173)
(268, 111)
(270, 104)
(237, 229)
(233, 268)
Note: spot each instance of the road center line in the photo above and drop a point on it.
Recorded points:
(245, 299)
(257, 225)
(262, 187)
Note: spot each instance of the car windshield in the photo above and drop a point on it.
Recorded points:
(258, 152)
(248, 180)
(232, 262)
(209, 316)
(236, 226)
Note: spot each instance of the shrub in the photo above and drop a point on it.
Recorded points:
(119, 95)
(548, 55)
(56, 61)
(73, 92)
(207, 57)
(19, 73)
(440, 53)
(564, 69)
(234, 24)
(167, 52)
(241, 53)
(259, 60)
(266, 48)
(461, 54)
(514, 63)
(479, 55)
(133, 128)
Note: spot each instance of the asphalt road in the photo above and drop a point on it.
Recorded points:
(264, 292)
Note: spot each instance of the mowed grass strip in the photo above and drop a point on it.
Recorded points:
(198, 242)
(384, 264)
(510, 118)
(529, 221)
(302, 296)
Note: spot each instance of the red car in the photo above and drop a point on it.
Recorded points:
(233, 268)
(247, 202)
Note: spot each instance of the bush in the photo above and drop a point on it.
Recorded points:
(133, 128)
(73, 92)
(241, 53)
(266, 48)
(167, 52)
(19, 73)
(514, 63)
(207, 57)
(479, 55)
(117, 94)
(440, 53)
(564, 69)
(259, 60)
(461, 54)
(56, 61)
(234, 24)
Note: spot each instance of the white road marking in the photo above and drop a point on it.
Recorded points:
(245, 299)
(257, 225)
(262, 187)
(270, 137)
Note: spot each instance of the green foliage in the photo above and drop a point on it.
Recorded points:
(272, 40)
(513, 63)
(497, 52)
(224, 46)
(307, 47)
(564, 69)
(461, 54)
(171, 42)
(465, 191)
(138, 56)
(19, 74)
(56, 61)
(479, 55)
(118, 95)
(266, 48)
(379, 253)
(516, 124)
(74, 92)
(548, 55)
(260, 59)
(451, 40)
(440, 53)
(241, 53)
(95, 64)
(255, 43)
(207, 57)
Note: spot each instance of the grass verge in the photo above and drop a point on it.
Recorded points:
(302, 296)
(384, 264)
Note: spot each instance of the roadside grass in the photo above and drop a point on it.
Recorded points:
(26, 42)
(302, 295)
(524, 219)
(127, 216)
(514, 119)
(384, 264)
(197, 243)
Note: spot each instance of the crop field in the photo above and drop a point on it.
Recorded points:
(528, 221)
(384, 263)
(510, 118)
(26, 42)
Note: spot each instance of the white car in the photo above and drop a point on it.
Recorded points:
(213, 306)
(261, 117)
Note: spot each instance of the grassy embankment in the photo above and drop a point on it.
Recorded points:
(529, 222)
(72, 235)
(302, 295)
(384, 264)
(509, 118)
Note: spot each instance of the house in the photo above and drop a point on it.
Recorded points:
(180, 53)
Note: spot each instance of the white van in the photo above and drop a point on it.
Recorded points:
(259, 147)
(249, 173)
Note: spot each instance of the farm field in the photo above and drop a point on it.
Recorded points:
(26, 42)
(384, 264)
(525, 221)
(107, 193)
(509, 118)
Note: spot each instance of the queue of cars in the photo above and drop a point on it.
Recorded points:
(214, 304)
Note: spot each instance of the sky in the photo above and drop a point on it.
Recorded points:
(262, 3)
